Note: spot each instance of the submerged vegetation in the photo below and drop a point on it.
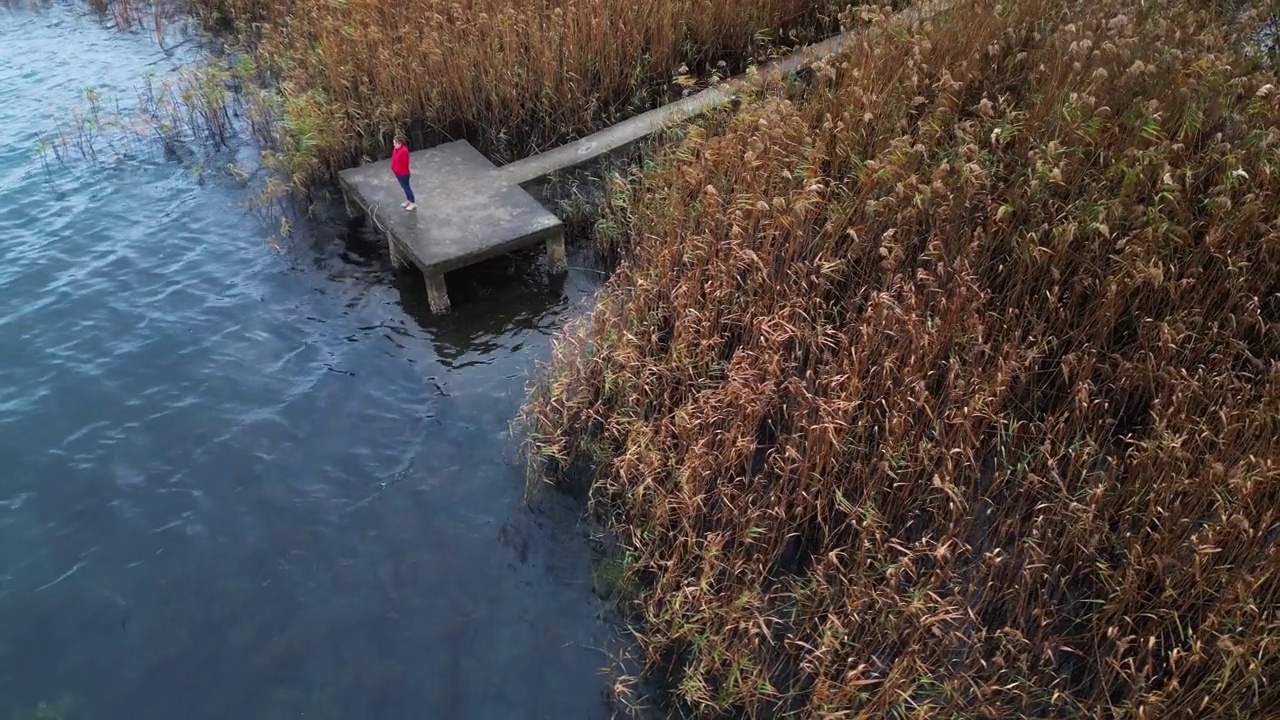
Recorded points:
(190, 108)
(951, 388)
(199, 113)
(199, 116)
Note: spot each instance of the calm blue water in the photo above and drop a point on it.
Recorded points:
(237, 482)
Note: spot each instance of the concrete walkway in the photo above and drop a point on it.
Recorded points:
(637, 128)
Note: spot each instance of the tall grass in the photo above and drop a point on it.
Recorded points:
(512, 76)
(952, 390)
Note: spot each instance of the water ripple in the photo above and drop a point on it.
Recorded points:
(245, 483)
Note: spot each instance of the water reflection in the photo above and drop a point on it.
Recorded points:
(493, 301)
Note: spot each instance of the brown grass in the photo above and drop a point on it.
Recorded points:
(512, 76)
(953, 390)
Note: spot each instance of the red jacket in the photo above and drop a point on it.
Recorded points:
(400, 160)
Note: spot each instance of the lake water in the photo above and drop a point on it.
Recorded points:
(245, 482)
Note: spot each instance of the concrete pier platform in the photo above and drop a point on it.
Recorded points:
(470, 210)
(466, 214)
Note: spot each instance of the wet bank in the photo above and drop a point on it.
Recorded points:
(240, 482)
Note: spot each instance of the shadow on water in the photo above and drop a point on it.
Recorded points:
(497, 296)
(491, 300)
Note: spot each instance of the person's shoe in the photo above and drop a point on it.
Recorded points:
(411, 206)
(405, 204)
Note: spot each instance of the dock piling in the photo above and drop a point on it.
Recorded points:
(437, 293)
(555, 254)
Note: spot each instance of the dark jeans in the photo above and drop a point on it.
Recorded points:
(404, 183)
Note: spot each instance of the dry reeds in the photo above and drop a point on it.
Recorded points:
(512, 76)
(952, 390)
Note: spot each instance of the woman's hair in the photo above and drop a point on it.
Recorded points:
(399, 139)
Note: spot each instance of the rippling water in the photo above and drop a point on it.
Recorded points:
(242, 483)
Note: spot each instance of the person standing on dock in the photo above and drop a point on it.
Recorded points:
(400, 168)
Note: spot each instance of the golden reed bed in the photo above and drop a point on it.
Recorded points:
(951, 389)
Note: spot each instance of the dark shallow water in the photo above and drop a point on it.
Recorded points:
(241, 482)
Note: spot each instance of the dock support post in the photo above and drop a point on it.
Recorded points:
(437, 293)
(555, 254)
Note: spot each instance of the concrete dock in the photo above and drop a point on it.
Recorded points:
(470, 210)
(465, 214)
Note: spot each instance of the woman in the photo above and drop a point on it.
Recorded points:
(400, 167)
